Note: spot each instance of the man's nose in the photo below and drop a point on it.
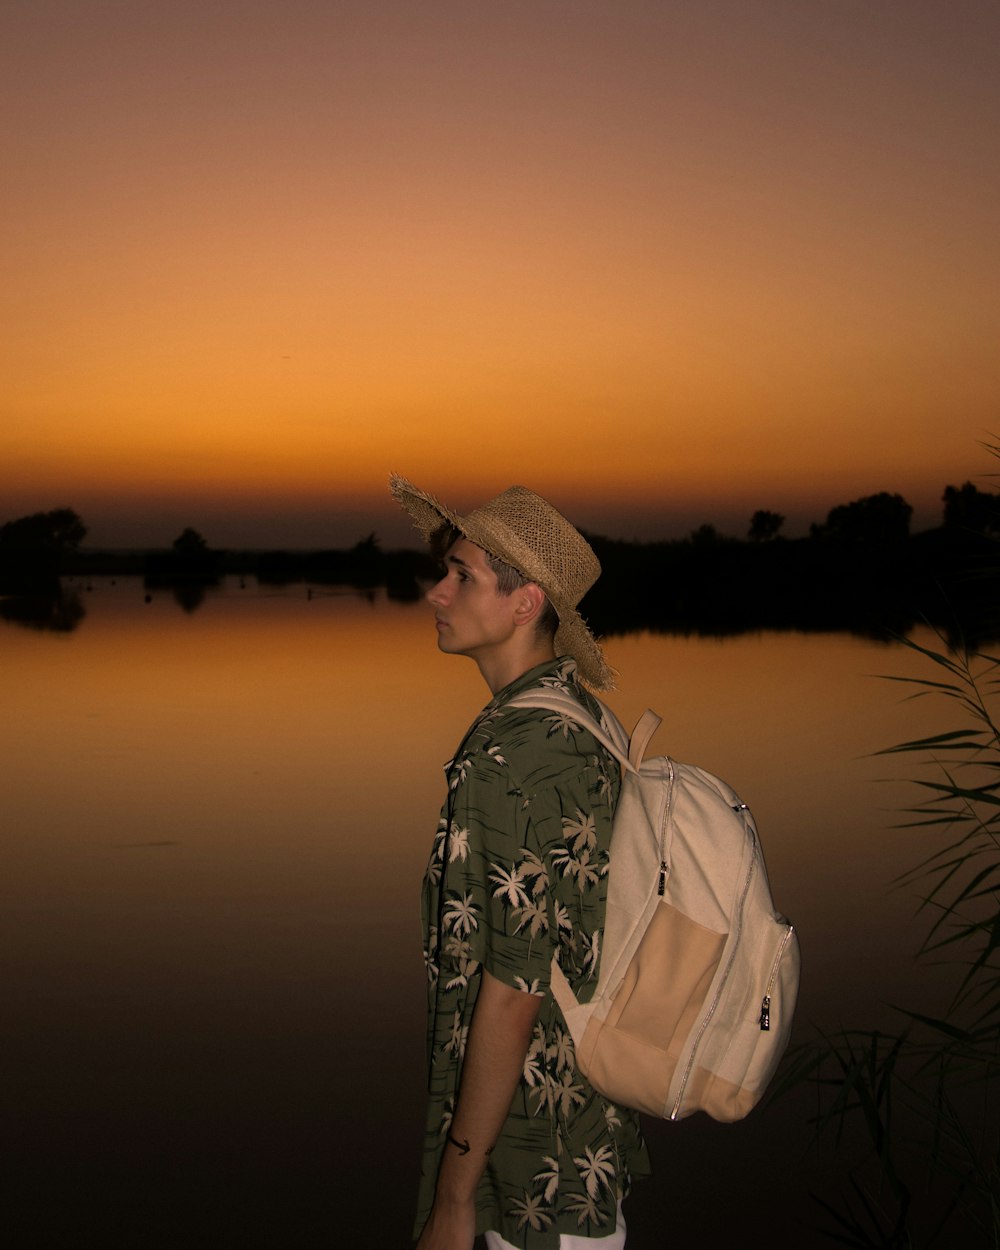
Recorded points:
(435, 596)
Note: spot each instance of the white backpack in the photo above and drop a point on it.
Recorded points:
(699, 973)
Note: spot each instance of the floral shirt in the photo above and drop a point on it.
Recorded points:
(519, 873)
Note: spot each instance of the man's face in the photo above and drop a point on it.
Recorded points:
(472, 617)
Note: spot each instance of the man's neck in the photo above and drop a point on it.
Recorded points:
(500, 670)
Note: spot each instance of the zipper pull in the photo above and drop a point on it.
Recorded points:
(765, 1014)
(663, 878)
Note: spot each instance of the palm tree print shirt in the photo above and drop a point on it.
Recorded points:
(518, 874)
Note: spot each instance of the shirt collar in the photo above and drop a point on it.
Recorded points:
(561, 669)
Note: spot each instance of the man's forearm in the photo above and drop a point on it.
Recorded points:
(499, 1036)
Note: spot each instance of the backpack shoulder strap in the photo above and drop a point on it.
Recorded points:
(628, 751)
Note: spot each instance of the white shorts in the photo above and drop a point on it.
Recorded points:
(569, 1241)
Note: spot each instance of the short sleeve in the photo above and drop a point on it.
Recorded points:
(496, 896)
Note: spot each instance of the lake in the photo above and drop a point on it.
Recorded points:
(214, 821)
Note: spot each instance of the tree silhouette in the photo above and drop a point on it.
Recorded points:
(53, 532)
(190, 560)
(969, 508)
(877, 519)
(190, 543)
(764, 525)
(368, 546)
(33, 549)
(705, 535)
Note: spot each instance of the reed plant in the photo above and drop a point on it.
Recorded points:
(912, 1114)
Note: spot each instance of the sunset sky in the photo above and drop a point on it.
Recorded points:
(664, 262)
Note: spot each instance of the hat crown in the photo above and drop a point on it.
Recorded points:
(527, 532)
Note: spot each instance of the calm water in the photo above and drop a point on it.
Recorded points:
(213, 825)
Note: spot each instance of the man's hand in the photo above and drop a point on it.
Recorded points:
(450, 1226)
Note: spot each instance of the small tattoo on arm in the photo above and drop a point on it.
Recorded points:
(463, 1147)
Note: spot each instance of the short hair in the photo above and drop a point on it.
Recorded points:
(509, 578)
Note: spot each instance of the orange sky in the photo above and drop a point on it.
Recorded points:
(665, 262)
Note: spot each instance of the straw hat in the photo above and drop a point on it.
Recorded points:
(526, 532)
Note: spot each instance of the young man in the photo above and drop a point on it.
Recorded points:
(518, 1145)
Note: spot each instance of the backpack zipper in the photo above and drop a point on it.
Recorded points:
(765, 1006)
(664, 866)
(725, 976)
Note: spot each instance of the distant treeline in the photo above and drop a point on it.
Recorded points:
(942, 577)
(860, 570)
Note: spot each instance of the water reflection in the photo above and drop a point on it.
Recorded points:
(212, 829)
(190, 595)
(60, 612)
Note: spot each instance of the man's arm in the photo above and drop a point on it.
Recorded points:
(498, 1041)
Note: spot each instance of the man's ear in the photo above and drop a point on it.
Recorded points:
(530, 602)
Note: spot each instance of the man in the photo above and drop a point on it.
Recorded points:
(518, 1145)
